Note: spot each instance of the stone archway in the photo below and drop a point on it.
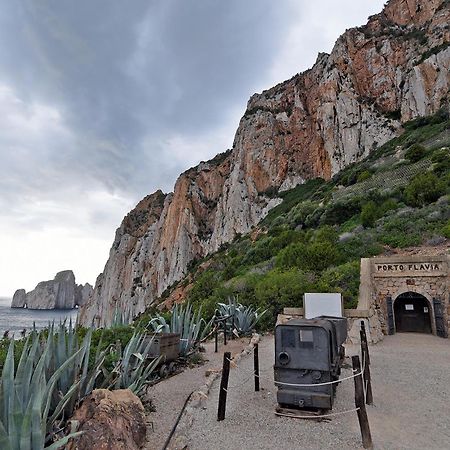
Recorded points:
(385, 279)
(412, 313)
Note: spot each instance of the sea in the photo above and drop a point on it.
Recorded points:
(15, 320)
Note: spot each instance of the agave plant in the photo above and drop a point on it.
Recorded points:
(191, 327)
(63, 344)
(240, 319)
(121, 318)
(25, 398)
(133, 369)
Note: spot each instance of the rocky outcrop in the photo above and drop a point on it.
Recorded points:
(82, 294)
(377, 76)
(60, 293)
(19, 299)
(110, 420)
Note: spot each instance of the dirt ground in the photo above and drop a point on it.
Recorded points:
(169, 396)
(411, 379)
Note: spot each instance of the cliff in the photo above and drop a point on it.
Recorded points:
(60, 293)
(377, 77)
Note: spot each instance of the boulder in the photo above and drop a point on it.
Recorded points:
(111, 420)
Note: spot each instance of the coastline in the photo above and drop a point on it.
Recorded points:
(15, 320)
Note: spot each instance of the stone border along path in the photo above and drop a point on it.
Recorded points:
(168, 396)
(410, 380)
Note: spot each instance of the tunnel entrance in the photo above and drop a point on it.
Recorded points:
(412, 313)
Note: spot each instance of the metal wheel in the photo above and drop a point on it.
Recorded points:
(172, 367)
(164, 371)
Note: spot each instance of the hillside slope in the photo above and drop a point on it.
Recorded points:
(376, 78)
(313, 240)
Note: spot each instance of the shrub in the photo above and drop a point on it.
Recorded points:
(362, 245)
(340, 211)
(388, 205)
(260, 251)
(204, 286)
(292, 256)
(320, 255)
(446, 230)
(316, 255)
(441, 161)
(369, 214)
(326, 233)
(423, 189)
(364, 175)
(416, 152)
(280, 289)
(400, 239)
(344, 279)
(298, 215)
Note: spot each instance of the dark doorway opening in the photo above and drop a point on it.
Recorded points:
(412, 313)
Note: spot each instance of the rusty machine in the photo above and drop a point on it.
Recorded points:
(166, 345)
(308, 355)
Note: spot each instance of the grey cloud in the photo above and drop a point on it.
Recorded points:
(120, 72)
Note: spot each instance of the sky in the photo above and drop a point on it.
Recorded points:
(104, 101)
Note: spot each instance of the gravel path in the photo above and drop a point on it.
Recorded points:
(411, 379)
(169, 395)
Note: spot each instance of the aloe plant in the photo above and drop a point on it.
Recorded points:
(25, 398)
(190, 325)
(133, 370)
(240, 319)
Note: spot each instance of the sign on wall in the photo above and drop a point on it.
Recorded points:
(321, 304)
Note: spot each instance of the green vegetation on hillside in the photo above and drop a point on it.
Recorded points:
(314, 239)
(311, 242)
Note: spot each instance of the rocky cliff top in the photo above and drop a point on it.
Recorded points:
(378, 76)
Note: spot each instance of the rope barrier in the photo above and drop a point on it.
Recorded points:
(319, 384)
(337, 413)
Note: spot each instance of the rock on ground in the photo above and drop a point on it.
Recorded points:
(111, 420)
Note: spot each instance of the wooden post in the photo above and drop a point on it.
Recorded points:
(366, 372)
(224, 386)
(359, 402)
(256, 366)
(232, 328)
(225, 332)
(216, 340)
(364, 338)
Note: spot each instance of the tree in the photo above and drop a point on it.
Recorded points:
(423, 189)
(369, 214)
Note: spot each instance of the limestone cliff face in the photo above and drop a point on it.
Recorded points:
(377, 76)
(60, 293)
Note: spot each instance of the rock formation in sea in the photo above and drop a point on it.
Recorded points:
(60, 293)
(378, 76)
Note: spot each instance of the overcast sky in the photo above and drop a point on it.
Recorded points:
(105, 101)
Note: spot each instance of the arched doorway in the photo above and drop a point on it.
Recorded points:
(412, 313)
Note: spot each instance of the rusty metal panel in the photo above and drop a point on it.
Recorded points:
(165, 344)
(439, 318)
(390, 315)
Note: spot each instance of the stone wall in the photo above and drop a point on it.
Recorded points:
(384, 277)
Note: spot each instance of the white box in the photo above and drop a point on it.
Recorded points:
(323, 304)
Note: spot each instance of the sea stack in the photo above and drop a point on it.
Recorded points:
(60, 293)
